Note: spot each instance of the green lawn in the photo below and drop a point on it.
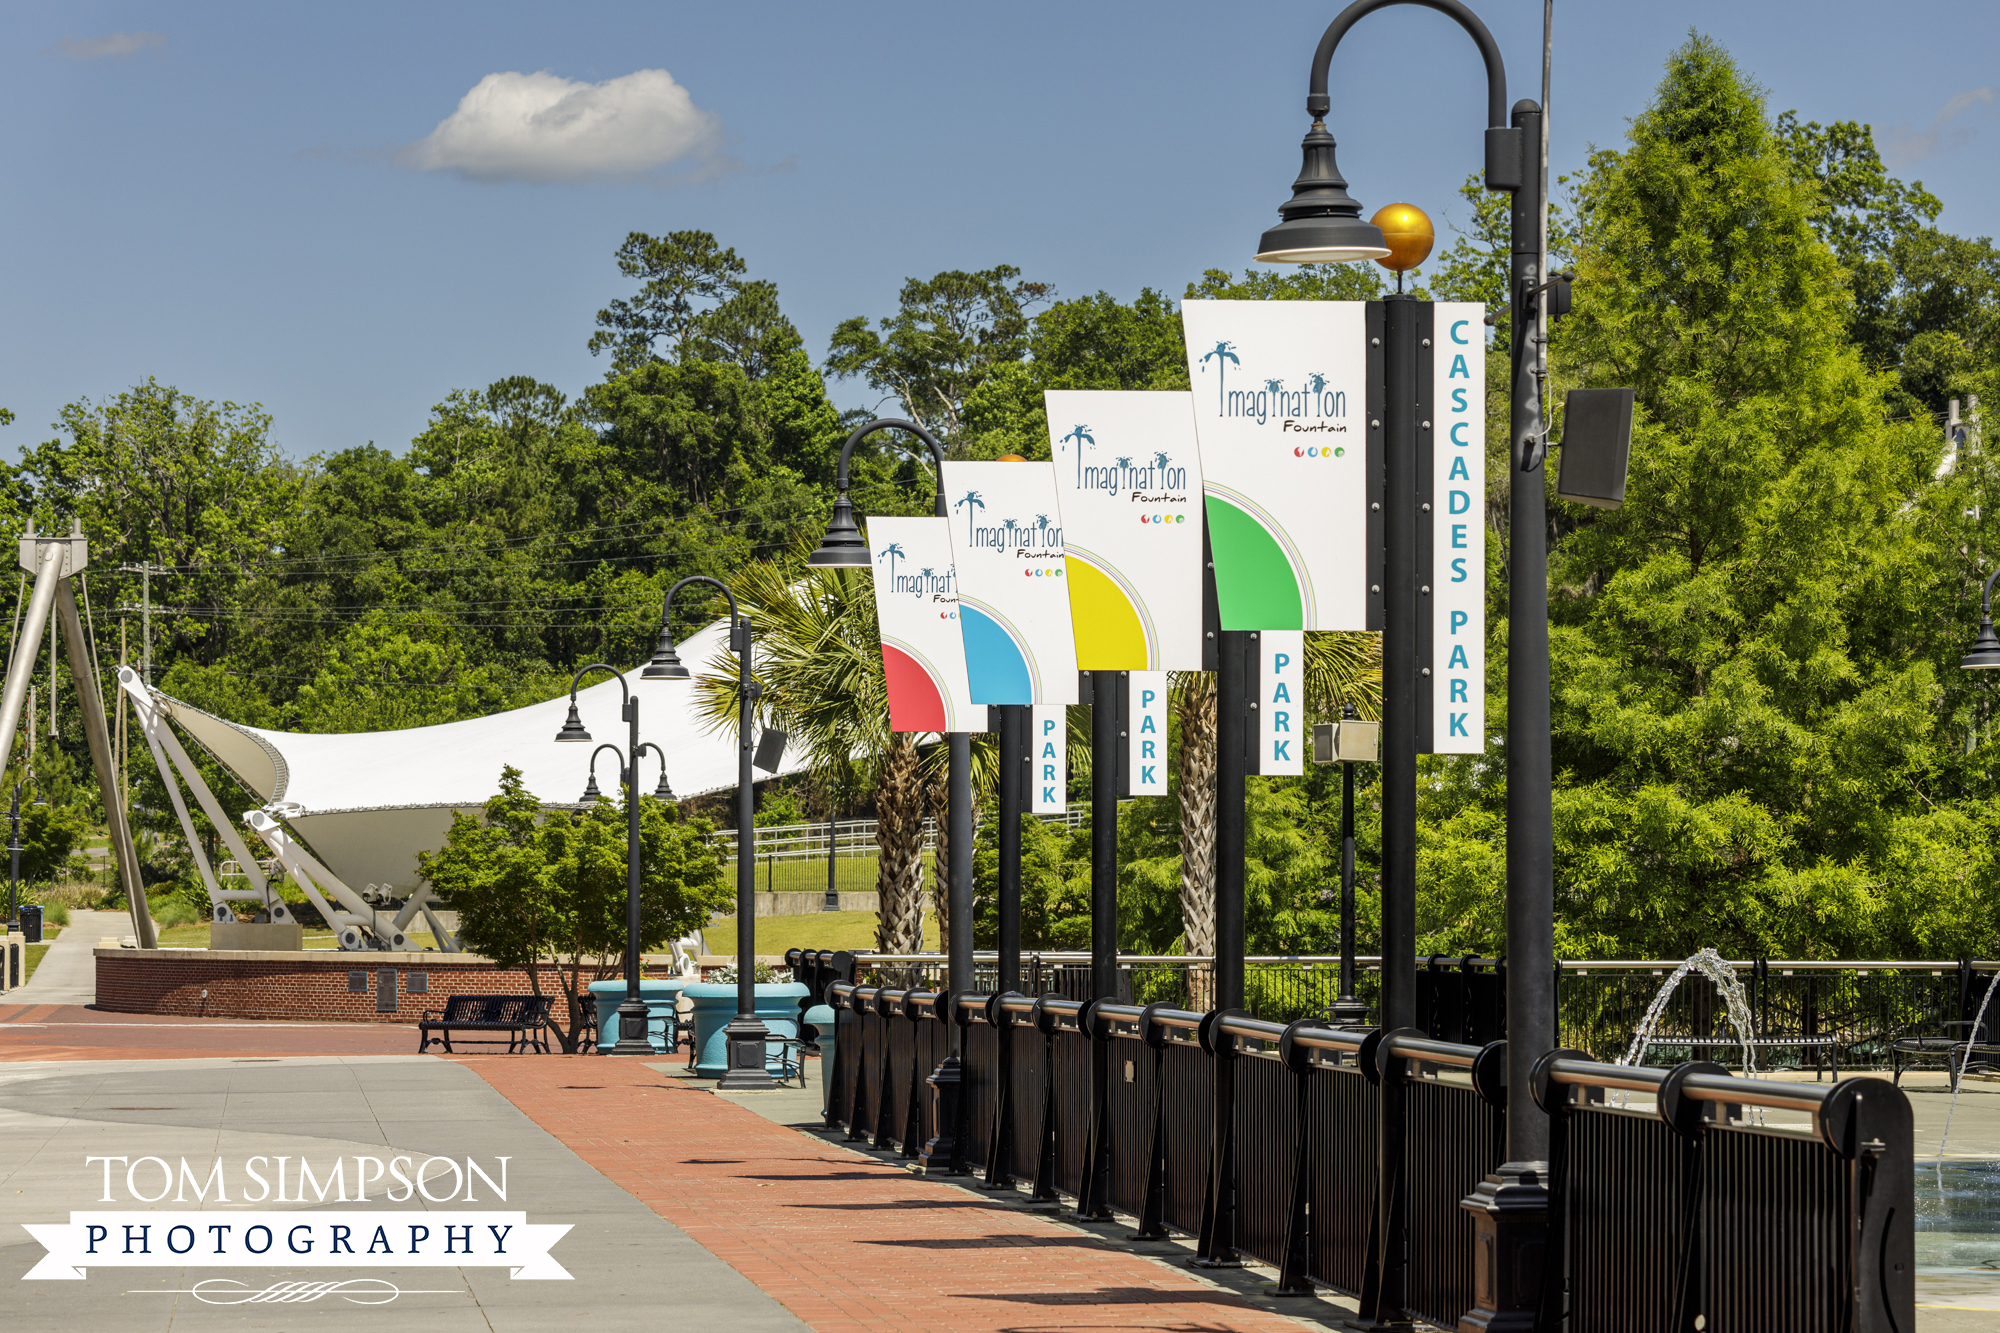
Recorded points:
(851, 875)
(196, 937)
(35, 952)
(812, 930)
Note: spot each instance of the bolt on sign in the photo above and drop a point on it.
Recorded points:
(916, 603)
(1283, 735)
(1146, 732)
(1007, 546)
(1128, 480)
(1048, 740)
(1279, 394)
(1454, 466)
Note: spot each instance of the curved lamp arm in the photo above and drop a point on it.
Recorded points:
(1317, 101)
(572, 727)
(842, 547)
(667, 604)
(1986, 595)
(615, 750)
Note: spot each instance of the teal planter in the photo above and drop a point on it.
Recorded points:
(823, 1020)
(661, 996)
(715, 1005)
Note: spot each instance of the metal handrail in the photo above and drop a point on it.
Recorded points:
(1596, 1074)
(1373, 961)
(1772, 1095)
(1398, 1045)
(1321, 1038)
(1238, 1024)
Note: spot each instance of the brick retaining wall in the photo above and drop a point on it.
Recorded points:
(312, 985)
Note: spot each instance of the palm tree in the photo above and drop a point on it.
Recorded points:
(892, 552)
(971, 499)
(1342, 667)
(1082, 436)
(819, 664)
(1223, 351)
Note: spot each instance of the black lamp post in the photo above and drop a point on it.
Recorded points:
(1321, 223)
(632, 1015)
(843, 548)
(1348, 746)
(746, 1036)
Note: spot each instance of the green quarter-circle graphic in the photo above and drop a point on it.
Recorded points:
(1255, 586)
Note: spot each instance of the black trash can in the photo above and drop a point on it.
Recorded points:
(31, 922)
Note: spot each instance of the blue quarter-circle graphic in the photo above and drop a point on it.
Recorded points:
(994, 667)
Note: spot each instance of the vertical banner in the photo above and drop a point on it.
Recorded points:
(916, 601)
(1007, 548)
(1280, 393)
(1048, 752)
(1458, 532)
(1128, 478)
(1146, 732)
(1283, 737)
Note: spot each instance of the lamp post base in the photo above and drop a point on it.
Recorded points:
(632, 1020)
(747, 1072)
(1510, 1211)
(940, 1155)
(1348, 1012)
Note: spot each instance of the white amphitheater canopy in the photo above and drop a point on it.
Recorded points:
(368, 802)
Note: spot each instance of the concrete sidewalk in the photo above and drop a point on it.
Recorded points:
(632, 1268)
(67, 973)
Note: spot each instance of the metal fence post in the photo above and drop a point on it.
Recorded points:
(1298, 1061)
(1000, 1152)
(1153, 1215)
(1093, 1199)
(1045, 1161)
(1392, 1184)
(1217, 1246)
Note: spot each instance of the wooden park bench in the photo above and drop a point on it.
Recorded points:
(524, 1018)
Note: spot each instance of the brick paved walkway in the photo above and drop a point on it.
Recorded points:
(848, 1243)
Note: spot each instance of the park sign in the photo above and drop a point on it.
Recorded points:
(917, 607)
(1128, 479)
(1454, 465)
(1279, 394)
(1007, 547)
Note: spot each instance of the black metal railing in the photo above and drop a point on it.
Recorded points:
(1679, 1210)
(1344, 1157)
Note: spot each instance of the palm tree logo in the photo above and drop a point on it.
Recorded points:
(1161, 459)
(1124, 468)
(969, 503)
(892, 553)
(1316, 382)
(1224, 352)
(1011, 526)
(1082, 436)
(924, 575)
(1275, 386)
(1041, 523)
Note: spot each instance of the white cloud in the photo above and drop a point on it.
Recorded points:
(1907, 147)
(543, 127)
(114, 47)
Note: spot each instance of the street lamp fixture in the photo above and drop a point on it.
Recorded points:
(843, 548)
(1984, 655)
(632, 1014)
(1322, 222)
(745, 1036)
(572, 727)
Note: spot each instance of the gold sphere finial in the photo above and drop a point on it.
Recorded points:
(1408, 234)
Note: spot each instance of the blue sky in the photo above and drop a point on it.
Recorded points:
(257, 203)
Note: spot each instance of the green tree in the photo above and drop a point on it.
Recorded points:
(948, 336)
(535, 887)
(1746, 657)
